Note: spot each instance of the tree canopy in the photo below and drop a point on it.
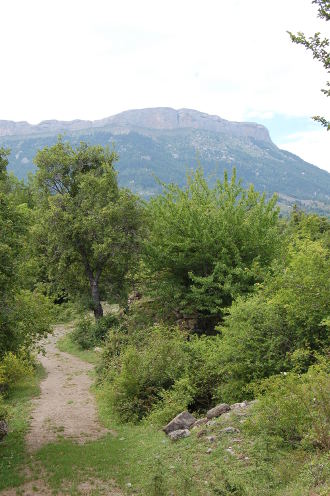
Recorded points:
(91, 225)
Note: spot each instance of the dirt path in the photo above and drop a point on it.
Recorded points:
(65, 407)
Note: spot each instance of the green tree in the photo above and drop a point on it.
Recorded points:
(319, 48)
(209, 245)
(90, 226)
(24, 315)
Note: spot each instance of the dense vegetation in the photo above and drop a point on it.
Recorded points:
(220, 298)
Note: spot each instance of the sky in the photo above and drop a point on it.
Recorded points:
(89, 59)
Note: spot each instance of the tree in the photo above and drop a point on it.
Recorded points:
(319, 48)
(24, 315)
(208, 245)
(90, 225)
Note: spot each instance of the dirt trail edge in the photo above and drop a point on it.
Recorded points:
(65, 407)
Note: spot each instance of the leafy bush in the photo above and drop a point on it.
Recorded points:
(14, 368)
(295, 408)
(89, 333)
(172, 402)
(144, 373)
(262, 333)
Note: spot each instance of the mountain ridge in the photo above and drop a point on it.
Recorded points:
(167, 143)
(149, 118)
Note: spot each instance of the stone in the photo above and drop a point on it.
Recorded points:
(229, 430)
(237, 406)
(209, 450)
(182, 421)
(211, 439)
(201, 433)
(211, 423)
(199, 422)
(218, 410)
(179, 434)
(3, 429)
(230, 451)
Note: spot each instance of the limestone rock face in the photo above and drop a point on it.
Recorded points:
(218, 410)
(182, 421)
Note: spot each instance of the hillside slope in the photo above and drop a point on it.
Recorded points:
(166, 143)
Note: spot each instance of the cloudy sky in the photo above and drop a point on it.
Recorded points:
(91, 59)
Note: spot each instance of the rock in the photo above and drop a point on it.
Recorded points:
(182, 421)
(178, 434)
(211, 439)
(210, 423)
(201, 433)
(230, 451)
(237, 406)
(229, 430)
(200, 422)
(3, 429)
(218, 410)
(209, 450)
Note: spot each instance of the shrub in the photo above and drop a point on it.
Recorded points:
(144, 373)
(172, 402)
(89, 333)
(295, 408)
(83, 333)
(14, 368)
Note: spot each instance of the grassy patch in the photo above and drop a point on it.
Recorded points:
(12, 449)
(142, 460)
(67, 345)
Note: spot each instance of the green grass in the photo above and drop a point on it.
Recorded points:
(67, 345)
(13, 456)
(143, 457)
(142, 460)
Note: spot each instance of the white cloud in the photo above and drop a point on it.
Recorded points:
(90, 59)
(312, 146)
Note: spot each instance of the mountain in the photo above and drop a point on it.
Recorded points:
(166, 143)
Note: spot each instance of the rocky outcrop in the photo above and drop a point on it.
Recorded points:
(181, 425)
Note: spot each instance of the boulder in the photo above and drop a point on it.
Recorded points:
(179, 434)
(3, 429)
(182, 421)
(218, 410)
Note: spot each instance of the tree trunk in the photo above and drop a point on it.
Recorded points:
(97, 307)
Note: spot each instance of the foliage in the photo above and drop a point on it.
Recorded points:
(89, 333)
(90, 225)
(295, 408)
(172, 401)
(146, 372)
(24, 314)
(14, 368)
(319, 48)
(208, 245)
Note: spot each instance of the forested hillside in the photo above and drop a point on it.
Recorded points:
(166, 143)
(202, 301)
